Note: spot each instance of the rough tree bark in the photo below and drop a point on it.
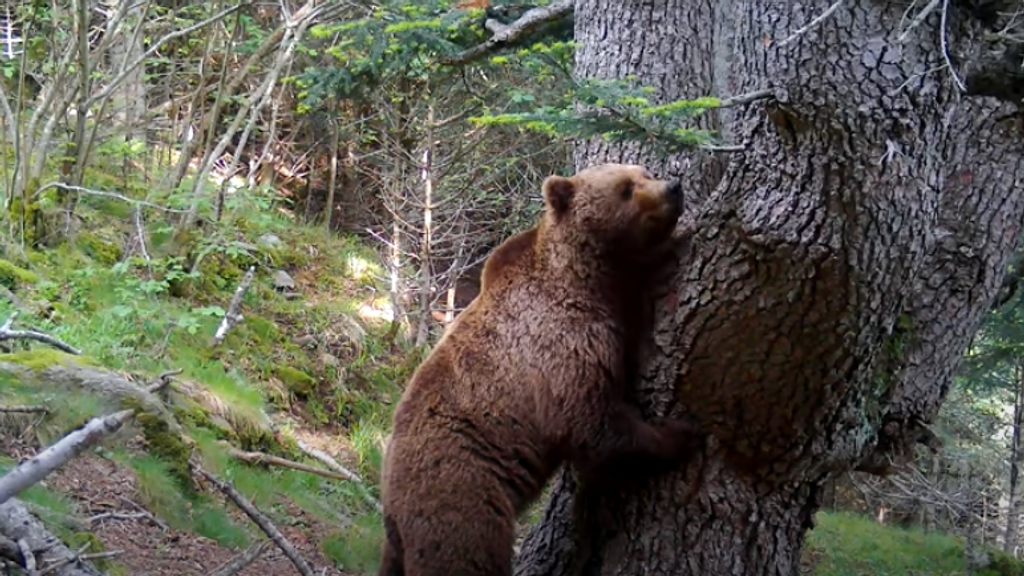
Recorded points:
(833, 273)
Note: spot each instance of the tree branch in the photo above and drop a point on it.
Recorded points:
(233, 316)
(7, 334)
(505, 35)
(260, 519)
(239, 562)
(35, 469)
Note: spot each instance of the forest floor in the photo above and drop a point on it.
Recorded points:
(106, 495)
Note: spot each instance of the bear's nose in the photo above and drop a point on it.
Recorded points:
(675, 189)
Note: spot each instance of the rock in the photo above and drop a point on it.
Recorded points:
(283, 281)
(268, 239)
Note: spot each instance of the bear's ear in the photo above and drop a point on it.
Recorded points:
(558, 192)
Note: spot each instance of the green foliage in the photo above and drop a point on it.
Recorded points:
(617, 110)
(12, 276)
(848, 545)
(357, 547)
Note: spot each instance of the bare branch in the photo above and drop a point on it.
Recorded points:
(7, 334)
(105, 194)
(821, 18)
(233, 316)
(505, 35)
(24, 410)
(154, 47)
(35, 469)
(919, 19)
(239, 562)
(260, 519)
(945, 47)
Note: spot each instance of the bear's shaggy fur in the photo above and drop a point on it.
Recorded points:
(532, 374)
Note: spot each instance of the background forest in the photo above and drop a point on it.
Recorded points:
(247, 222)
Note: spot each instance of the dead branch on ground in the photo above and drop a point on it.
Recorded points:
(259, 518)
(337, 467)
(35, 469)
(239, 562)
(233, 316)
(24, 410)
(7, 334)
(263, 458)
(45, 550)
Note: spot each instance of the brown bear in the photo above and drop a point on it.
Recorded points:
(531, 375)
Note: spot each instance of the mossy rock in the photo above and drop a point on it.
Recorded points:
(105, 252)
(13, 276)
(297, 381)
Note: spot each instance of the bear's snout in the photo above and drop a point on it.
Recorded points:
(674, 191)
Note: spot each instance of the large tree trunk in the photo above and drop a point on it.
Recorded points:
(834, 273)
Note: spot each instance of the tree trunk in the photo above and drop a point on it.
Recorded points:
(1016, 460)
(832, 275)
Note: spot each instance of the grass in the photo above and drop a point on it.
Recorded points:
(136, 319)
(850, 545)
(357, 547)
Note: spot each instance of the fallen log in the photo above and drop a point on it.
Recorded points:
(17, 525)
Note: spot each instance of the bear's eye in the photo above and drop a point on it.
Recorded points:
(626, 190)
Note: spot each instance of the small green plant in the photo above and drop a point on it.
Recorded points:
(357, 547)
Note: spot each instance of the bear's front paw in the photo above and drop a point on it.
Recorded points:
(682, 437)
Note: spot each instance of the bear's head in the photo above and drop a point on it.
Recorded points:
(614, 208)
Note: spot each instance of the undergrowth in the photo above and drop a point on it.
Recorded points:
(309, 363)
(844, 544)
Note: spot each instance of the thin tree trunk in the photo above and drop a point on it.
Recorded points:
(832, 277)
(1016, 460)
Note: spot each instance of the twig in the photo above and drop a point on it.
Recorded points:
(105, 194)
(239, 562)
(79, 556)
(821, 18)
(747, 98)
(260, 519)
(328, 460)
(918, 19)
(504, 35)
(233, 316)
(945, 47)
(147, 514)
(7, 334)
(117, 516)
(24, 410)
(35, 469)
(163, 380)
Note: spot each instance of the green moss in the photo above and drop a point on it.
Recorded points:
(297, 381)
(100, 250)
(167, 446)
(42, 358)
(13, 276)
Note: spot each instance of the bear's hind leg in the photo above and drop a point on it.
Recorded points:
(391, 563)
